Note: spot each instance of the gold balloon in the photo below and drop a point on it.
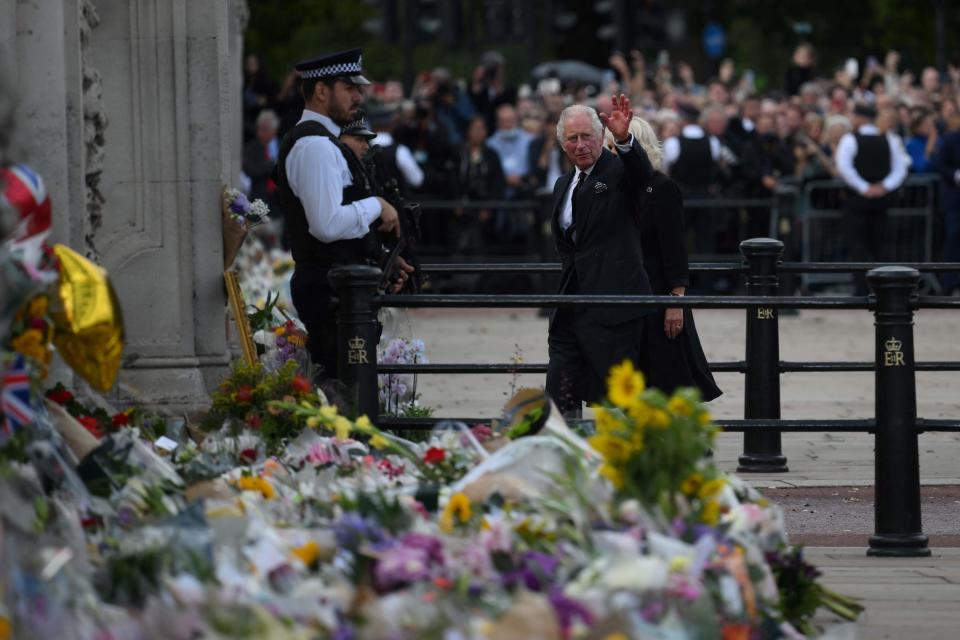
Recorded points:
(88, 326)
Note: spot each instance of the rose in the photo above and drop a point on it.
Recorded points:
(434, 455)
(60, 395)
(92, 425)
(120, 420)
(244, 394)
(301, 384)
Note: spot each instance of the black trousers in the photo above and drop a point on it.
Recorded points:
(582, 353)
(315, 303)
(864, 225)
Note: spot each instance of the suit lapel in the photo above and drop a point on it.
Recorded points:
(585, 197)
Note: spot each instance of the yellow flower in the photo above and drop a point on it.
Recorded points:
(255, 483)
(711, 513)
(37, 307)
(328, 412)
(6, 629)
(691, 484)
(659, 419)
(606, 421)
(640, 412)
(680, 406)
(31, 344)
(616, 635)
(704, 418)
(613, 474)
(363, 422)
(679, 563)
(624, 384)
(379, 442)
(611, 447)
(307, 554)
(711, 488)
(342, 426)
(459, 504)
(313, 422)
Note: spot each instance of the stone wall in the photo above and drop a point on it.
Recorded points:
(131, 110)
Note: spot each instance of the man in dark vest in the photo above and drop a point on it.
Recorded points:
(873, 165)
(327, 197)
(597, 230)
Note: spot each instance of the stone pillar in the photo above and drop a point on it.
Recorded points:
(132, 119)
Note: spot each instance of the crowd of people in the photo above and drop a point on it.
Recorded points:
(482, 139)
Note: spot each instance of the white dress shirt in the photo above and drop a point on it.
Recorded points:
(847, 151)
(566, 211)
(406, 163)
(671, 146)
(318, 173)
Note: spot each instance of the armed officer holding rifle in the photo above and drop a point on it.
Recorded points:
(333, 214)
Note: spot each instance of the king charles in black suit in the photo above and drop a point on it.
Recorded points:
(598, 239)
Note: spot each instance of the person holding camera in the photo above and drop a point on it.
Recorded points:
(327, 197)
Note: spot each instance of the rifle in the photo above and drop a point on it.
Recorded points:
(392, 246)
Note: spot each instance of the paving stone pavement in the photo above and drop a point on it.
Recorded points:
(915, 598)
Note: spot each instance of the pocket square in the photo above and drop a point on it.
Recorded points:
(599, 187)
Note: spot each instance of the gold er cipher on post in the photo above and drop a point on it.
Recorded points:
(892, 355)
(357, 352)
(765, 313)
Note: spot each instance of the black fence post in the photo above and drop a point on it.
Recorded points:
(357, 336)
(897, 526)
(761, 449)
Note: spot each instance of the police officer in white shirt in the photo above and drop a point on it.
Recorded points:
(327, 197)
(873, 165)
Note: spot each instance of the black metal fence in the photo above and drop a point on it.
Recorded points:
(896, 426)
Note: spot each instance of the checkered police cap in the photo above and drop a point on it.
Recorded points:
(345, 65)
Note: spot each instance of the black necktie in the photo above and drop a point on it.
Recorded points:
(572, 229)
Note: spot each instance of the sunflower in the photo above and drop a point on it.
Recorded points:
(624, 384)
(680, 406)
(457, 508)
(613, 474)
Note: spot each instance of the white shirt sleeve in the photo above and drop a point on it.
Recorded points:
(715, 148)
(846, 151)
(671, 151)
(899, 163)
(408, 166)
(318, 172)
(626, 146)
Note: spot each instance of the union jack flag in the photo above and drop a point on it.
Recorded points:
(15, 404)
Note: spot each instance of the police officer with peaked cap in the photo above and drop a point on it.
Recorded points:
(330, 206)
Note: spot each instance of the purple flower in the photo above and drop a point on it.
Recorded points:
(400, 565)
(430, 545)
(535, 570)
(352, 529)
(568, 610)
(240, 205)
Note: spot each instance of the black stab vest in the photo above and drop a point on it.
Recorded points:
(306, 249)
(694, 168)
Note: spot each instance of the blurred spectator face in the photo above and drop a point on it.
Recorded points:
(717, 92)
(477, 132)
(930, 80)
(794, 120)
(506, 118)
(358, 145)
(751, 109)
(393, 91)
(532, 124)
(835, 132)
(803, 56)
(715, 121)
(251, 65)
(580, 142)
(766, 124)
(838, 99)
(887, 120)
(809, 96)
(727, 70)
(605, 104)
(948, 109)
(813, 126)
(266, 129)
(669, 129)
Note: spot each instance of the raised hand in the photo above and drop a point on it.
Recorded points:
(618, 122)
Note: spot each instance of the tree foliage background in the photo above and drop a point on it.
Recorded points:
(760, 34)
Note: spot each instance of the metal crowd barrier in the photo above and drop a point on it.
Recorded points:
(898, 530)
(908, 226)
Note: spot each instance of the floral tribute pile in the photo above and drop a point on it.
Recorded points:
(277, 516)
